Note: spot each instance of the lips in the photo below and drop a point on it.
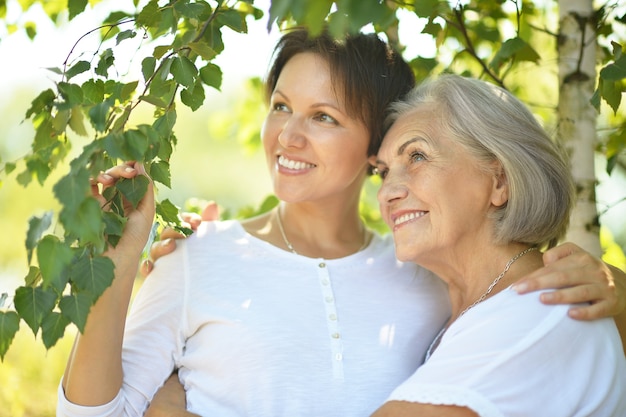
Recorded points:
(285, 162)
(407, 217)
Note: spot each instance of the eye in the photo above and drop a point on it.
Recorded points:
(417, 156)
(323, 117)
(381, 172)
(278, 106)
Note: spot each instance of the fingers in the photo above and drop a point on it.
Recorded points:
(125, 170)
(211, 211)
(590, 312)
(191, 220)
(158, 249)
(161, 248)
(146, 267)
(562, 251)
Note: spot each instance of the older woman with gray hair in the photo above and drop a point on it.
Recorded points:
(473, 189)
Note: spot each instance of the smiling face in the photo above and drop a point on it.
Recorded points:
(434, 196)
(314, 150)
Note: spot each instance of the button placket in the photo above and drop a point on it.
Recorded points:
(331, 319)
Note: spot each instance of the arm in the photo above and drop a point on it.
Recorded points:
(581, 278)
(93, 375)
(405, 409)
(169, 401)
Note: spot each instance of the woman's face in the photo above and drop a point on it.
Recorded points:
(314, 150)
(433, 195)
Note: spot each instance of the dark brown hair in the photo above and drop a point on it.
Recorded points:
(365, 69)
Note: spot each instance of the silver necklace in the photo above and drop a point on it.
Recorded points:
(498, 278)
(480, 299)
(290, 246)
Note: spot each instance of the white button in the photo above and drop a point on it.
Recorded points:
(329, 299)
(322, 265)
(324, 281)
(335, 335)
(332, 316)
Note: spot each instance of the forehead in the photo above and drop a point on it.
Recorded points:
(417, 123)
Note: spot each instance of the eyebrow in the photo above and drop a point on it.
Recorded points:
(401, 149)
(315, 105)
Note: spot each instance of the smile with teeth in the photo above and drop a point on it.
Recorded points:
(288, 163)
(408, 217)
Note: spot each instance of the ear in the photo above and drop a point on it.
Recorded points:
(500, 191)
(372, 160)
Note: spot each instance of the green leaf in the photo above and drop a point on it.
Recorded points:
(54, 258)
(9, 325)
(279, 10)
(184, 71)
(33, 304)
(127, 34)
(233, 19)
(72, 93)
(615, 71)
(149, 15)
(76, 122)
(98, 115)
(76, 7)
(113, 226)
(514, 47)
(93, 274)
(193, 97)
(85, 224)
(148, 65)
(33, 277)
(168, 211)
(203, 50)
(106, 61)
(93, 91)
(191, 10)
(160, 171)
(133, 189)
(73, 189)
(211, 75)
(43, 101)
(52, 328)
(78, 68)
(155, 101)
(76, 308)
(611, 92)
(36, 228)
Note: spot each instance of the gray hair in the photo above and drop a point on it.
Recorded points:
(493, 125)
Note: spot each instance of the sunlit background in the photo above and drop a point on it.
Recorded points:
(209, 162)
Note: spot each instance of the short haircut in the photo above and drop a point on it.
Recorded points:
(364, 69)
(493, 125)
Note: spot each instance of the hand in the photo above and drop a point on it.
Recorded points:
(581, 278)
(167, 243)
(140, 218)
(169, 401)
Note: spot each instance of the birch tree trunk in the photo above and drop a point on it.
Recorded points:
(577, 117)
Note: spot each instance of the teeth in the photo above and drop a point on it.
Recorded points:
(288, 163)
(408, 217)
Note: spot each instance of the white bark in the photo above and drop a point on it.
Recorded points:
(577, 117)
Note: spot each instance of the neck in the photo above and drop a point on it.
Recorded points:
(486, 273)
(319, 234)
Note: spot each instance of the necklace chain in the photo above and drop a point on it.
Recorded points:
(498, 278)
(290, 246)
(480, 299)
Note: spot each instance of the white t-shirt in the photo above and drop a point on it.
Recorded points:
(258, 331)
(513, 356)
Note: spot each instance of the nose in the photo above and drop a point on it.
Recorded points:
(293, 132)
(392, 189)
